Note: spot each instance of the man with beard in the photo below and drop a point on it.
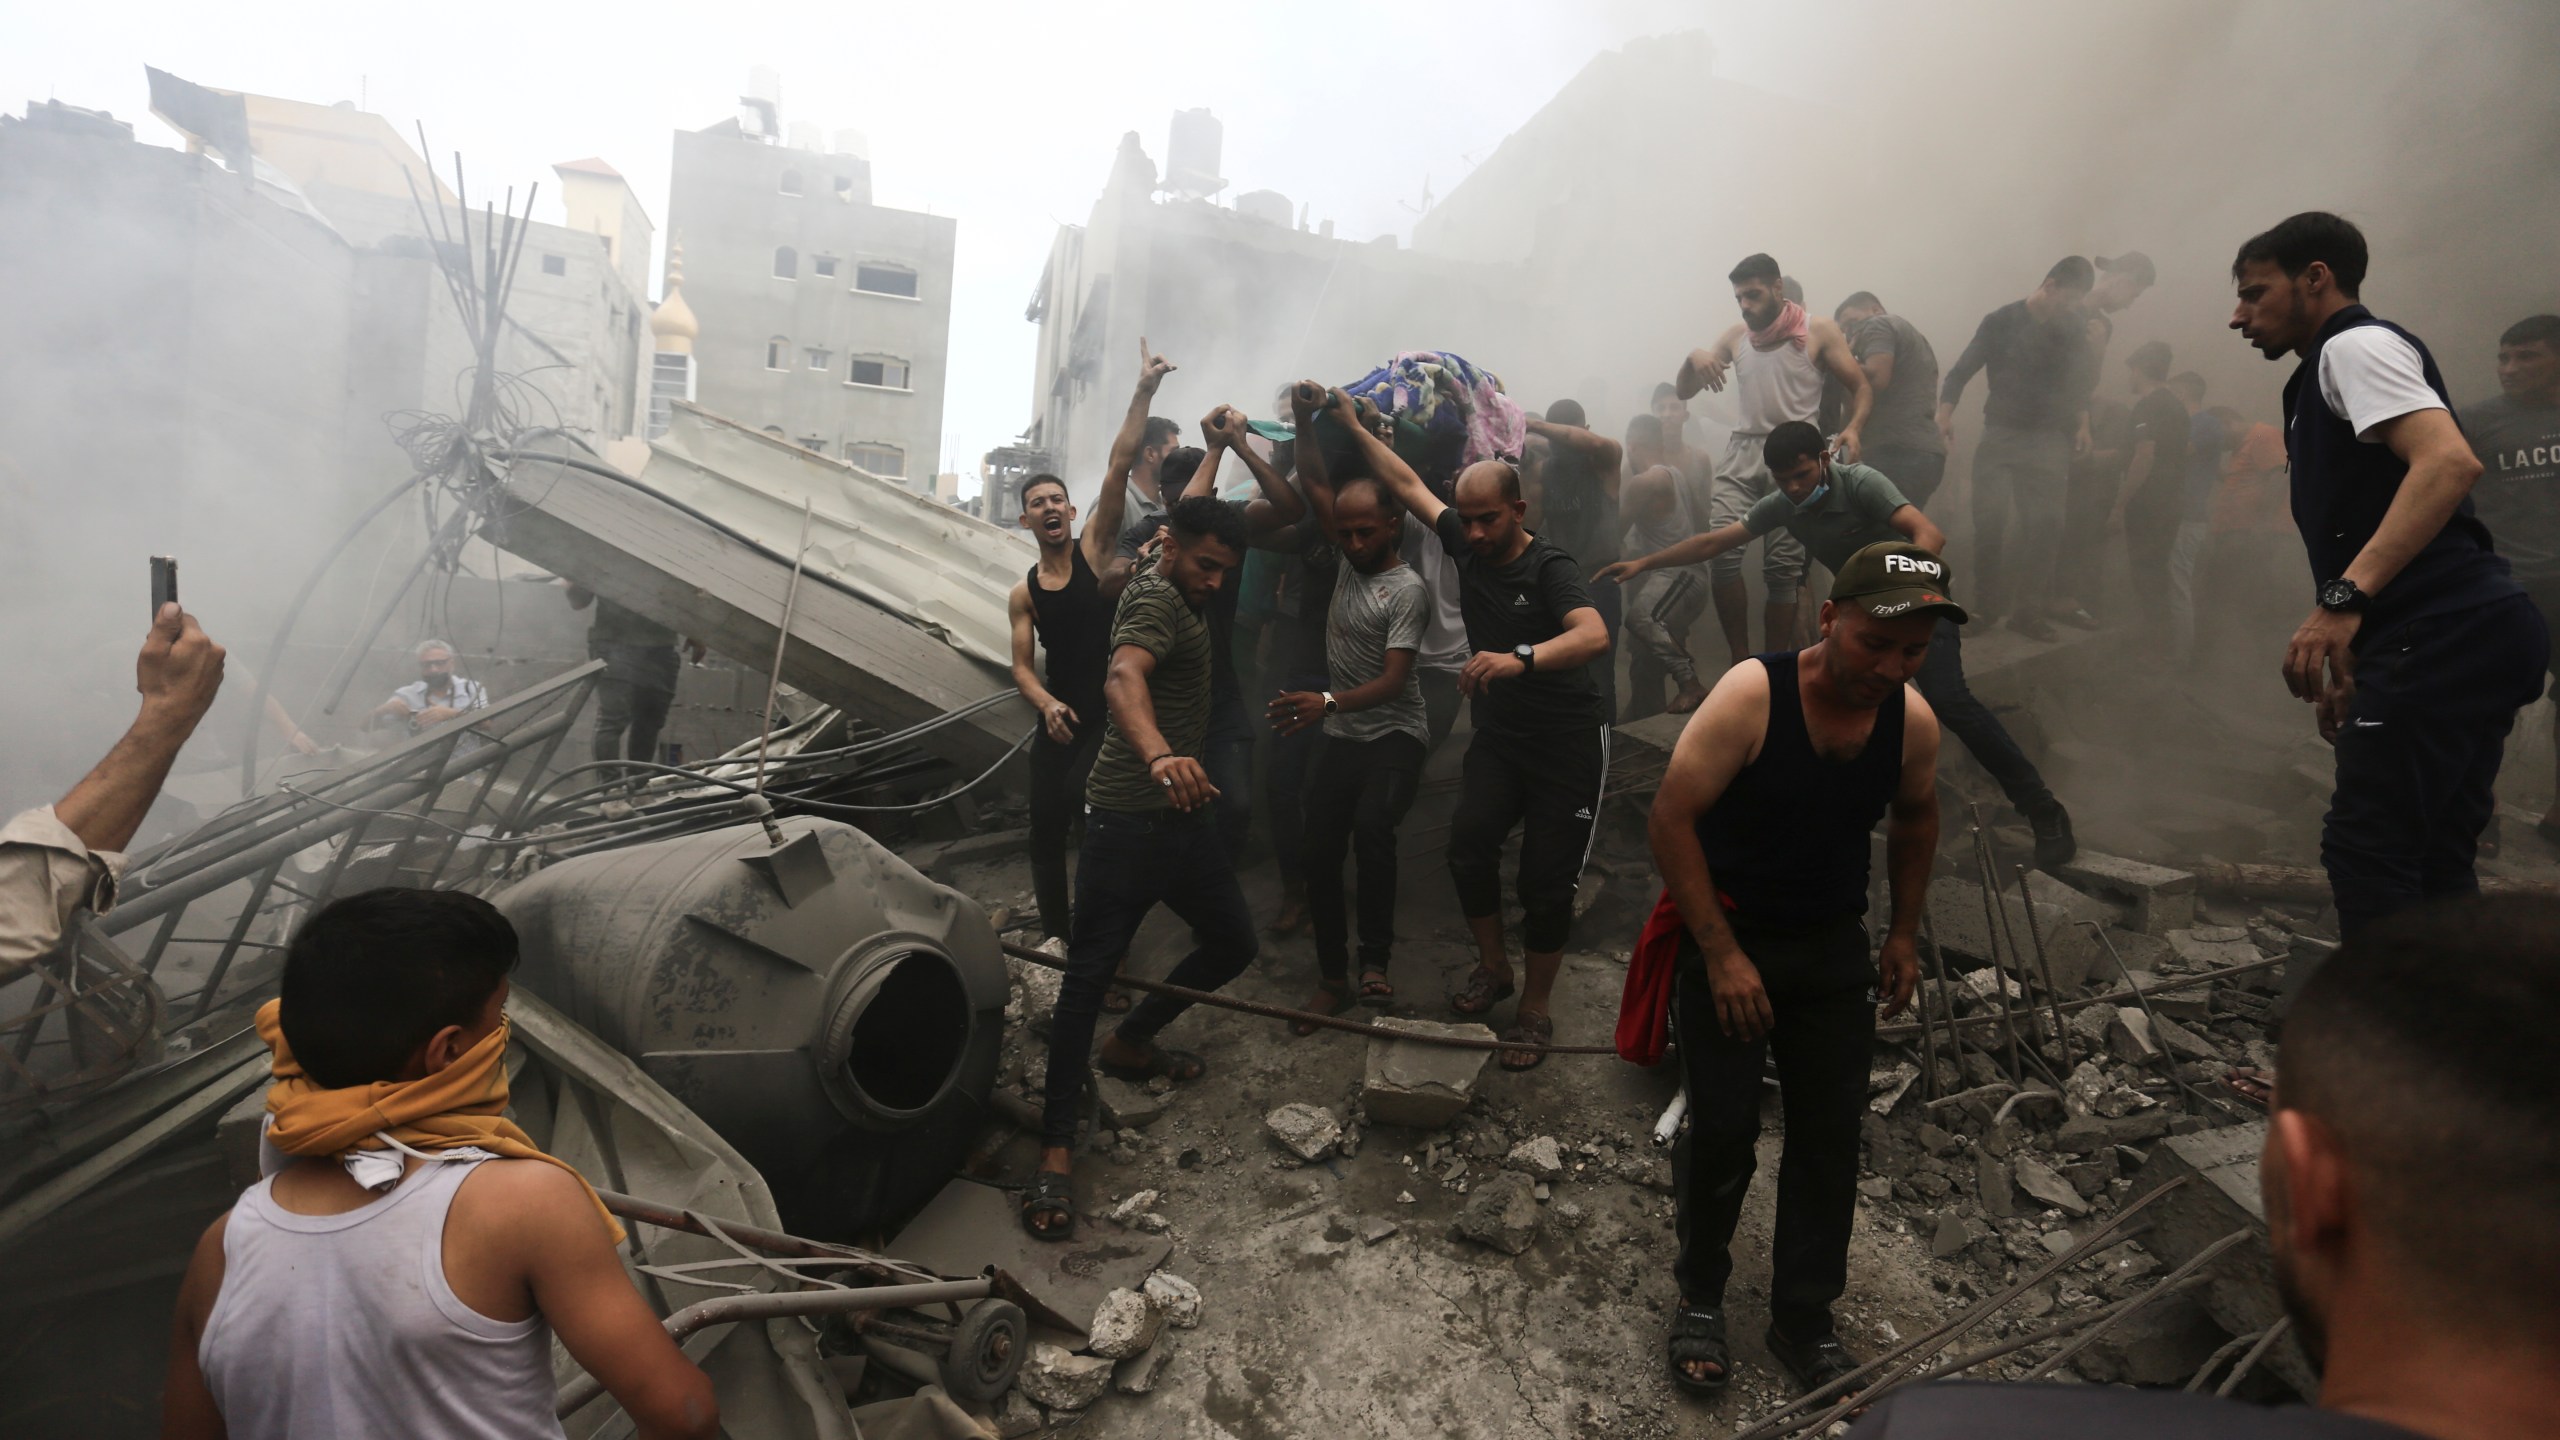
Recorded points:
(1761, 832)
(1903, 439)
(1149, 839)
(1061, 603)
(2411, 1181)
(2516, 434)
(1777, 377)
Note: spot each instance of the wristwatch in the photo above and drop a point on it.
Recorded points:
(1527, 656)
(1331, 705)
(2343, 596)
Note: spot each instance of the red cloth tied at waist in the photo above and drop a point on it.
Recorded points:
(1644, 1006)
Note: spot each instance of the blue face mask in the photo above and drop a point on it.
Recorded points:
(1813, 499)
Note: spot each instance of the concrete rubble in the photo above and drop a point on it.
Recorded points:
(1309, 1132)
(1422, 1087)
(1059, 1379)
(1124, 1324)
(1502, 1214)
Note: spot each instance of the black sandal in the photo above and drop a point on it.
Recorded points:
(1480, 994)
(1374, 988)
(1815, 1363)
(1538, 1030)
(1049, 1198)
(1332, 998)
(1179, 1066)
(1697, 1338)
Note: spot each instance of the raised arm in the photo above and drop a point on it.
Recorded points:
(1605, 454)
(1101, 538)
(178, 673)
(1279, 505)
(1831, 348)
(1696, 550)
(1314, 482)
(1385, 464)
(1704, 369)
(1713, 747)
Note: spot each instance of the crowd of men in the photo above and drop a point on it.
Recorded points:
(410, 1252)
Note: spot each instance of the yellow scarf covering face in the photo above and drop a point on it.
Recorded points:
(464, 1104)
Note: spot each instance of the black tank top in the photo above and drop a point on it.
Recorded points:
(1787, 842)
(1074, 626)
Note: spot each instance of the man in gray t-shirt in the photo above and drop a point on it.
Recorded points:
(1376, 735)
(1902, 438)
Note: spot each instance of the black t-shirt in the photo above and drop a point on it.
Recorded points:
(1523, 603)
(1306, 599)
(2162, 419)
(1980, 1410)
(1581, 515)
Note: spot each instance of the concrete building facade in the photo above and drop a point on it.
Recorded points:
(824, 319)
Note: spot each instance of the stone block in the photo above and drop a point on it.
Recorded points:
(1125, 1323)
(1178, 1298)
(2039, 1181)
(1126, 1106)
(2129, 1037)
(1307, 1131)
(1957, 922)
(1060, 1379)
(2212, 948)
(1540, 1158)
(2162, 1343)
(2221, 1195)
(1501, 1213)
(1418, 1085)
(1992, 1182)
(2182, 1042)
(2154, 900)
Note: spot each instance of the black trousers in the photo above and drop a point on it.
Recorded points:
(1441, 702)
(1284, 785)
(1357, 794)
(1942, 684)
(1130, 864)
(1228, 757)
(1058, 773)
(1821, 989)
(1549, 786)
(2150, 529)
(2418, 755)
(629, 716)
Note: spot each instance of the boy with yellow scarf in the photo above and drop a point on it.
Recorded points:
(405, 1262)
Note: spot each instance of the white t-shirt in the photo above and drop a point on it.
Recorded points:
(1444, 641)
(2370, 375)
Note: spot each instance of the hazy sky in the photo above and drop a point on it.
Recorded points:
(1005, 116)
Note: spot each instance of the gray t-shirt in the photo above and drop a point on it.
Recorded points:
(1371, 615)
(1905, 416)
(2518, 496)
(1692, 496)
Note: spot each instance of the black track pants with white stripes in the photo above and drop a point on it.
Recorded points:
(1550, 785)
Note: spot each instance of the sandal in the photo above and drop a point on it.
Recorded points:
(1332, 998)
(1116, 1001)
(1697, 1338)
(2251, 1085)
(1480, 993)
(1048, 1207)
(1536, 1030)
(1374, 989)
(1814, 1363)
(1179, 1066)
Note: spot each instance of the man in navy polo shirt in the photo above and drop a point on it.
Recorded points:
(2421, 646)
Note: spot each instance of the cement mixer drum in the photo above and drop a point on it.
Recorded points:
(830, 1011)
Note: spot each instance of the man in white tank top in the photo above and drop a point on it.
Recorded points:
(410, 1280)
(1778, 356)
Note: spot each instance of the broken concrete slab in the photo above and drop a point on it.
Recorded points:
(2074, 904)
(2221, 1195)
(1138, 1374)
(1992, 1183)
(2182, 1042)
(1060, 1379)
(2162, 1343)
(1958, 923)
(2039, 1181)
(1887, 1087)
(1016, 1416)
(1377, 1229)
(2154, 900)
(2227, 945)
(2129, 1037)
(1309, 1132)
(1125, 1323)
(1501, 1213)
(1417, 1085)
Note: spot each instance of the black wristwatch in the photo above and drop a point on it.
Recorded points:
(1527, 655)
(2343, 596)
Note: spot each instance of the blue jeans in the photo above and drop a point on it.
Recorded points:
(1131, 863)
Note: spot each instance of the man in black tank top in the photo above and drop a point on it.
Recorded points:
(1061, 603)
(1760, 830)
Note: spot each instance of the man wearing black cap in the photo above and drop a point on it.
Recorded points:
(1836, 510)
(2421, 646)
(1760, 830)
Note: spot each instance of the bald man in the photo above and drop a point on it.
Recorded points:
(1540, 754)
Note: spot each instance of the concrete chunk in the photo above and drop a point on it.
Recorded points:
(1502, 1213)
(1138, 1374)
(1126, 1106)
(2213, 947)
(1957, 922)
(2162, 1343)
(2051, 1189)
(2155, 900)
(1419, 1085)
(1178, 1298)
(2221, 1195)
(1125, 1323)
(1306, 1131)
(2129, 1036)
(1061, 1379)
(1540, 1158)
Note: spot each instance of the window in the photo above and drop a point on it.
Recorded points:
(777, 354)
(814, 444)
(844, 187)
(821, 359)
(885, 280)
(774, 430)
(825, 265)
(790, 182)
(555, 264)
(883, 460)
(878, 370)
(786, 263)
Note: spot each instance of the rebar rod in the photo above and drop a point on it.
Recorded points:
(2044, 968)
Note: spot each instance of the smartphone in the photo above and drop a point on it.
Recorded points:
(164, 583)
